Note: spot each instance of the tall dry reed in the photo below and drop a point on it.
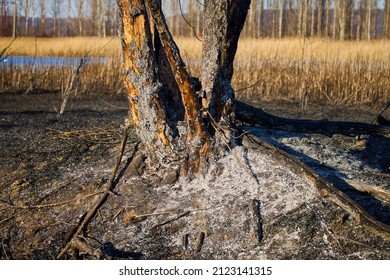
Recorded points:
(315, 70)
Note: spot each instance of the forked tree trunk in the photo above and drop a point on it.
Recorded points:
(165, 102)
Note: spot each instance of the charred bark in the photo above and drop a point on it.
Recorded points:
(172, 120)
(197, 139)
(143, 85)
(223, 22)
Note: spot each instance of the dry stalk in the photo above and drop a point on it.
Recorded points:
(54, 204)
(332, 72)
(71, 85)
(4, 249)
(11, 217)
(103, 135)
(117, 214)
(91, 213)
(3, 53)
(134, 217)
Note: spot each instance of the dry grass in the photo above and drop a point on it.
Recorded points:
(71, 46)
(94, 78)
(340, 73)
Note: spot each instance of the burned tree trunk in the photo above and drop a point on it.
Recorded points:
(223, 22)
(165, 103)
(143, 85)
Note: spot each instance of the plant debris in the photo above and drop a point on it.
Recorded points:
(55, 169)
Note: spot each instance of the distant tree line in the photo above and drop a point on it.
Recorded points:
(336, 19)
(58, 18)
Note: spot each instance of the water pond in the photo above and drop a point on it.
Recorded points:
(47, 61)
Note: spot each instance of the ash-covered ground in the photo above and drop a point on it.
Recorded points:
(53, 169)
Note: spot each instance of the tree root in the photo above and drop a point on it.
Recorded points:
(324, 187)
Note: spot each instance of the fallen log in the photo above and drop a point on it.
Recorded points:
(255, 116)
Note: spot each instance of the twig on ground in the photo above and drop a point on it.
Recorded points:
(173, 219)
(200, 241)
(136, 217)
(91, 213)
(9, 218)
(55, 204)
(4, 249)
(37, 228)
(101, 135)
(117, 214)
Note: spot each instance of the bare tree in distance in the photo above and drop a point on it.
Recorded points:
(80, 16)
(282, 8)
(336, 19)
(386, 19)
(42, 22)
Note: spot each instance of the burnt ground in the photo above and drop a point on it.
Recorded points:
(54, 168)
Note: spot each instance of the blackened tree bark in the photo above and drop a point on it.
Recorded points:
(176, 120)
(223, 22)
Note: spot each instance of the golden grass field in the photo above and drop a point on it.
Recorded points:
(304, 70)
